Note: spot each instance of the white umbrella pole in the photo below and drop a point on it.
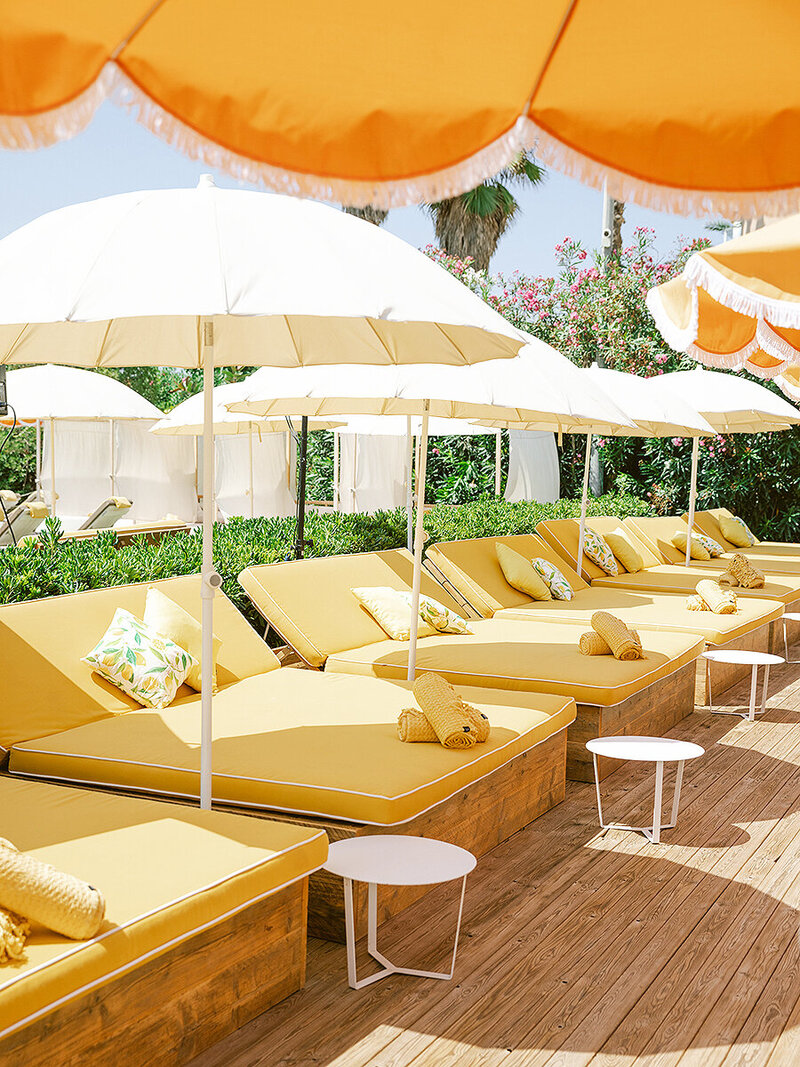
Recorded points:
(111, 456)
(250, 433)
(692, 497)
(39, 459)
(498, 462)
(210, 581)
(52, 467)
(584, 496)
(422, 463)
(335, 471)
(409, 485)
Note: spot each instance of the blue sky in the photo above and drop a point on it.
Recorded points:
(114, 154)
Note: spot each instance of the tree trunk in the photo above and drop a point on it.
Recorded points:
(375, 215)
(467, 235)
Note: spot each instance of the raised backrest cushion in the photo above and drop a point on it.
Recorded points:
(657, 531)
(45, 686)
(708, 523)
(474, 569)
(310, 601)
(562, 535)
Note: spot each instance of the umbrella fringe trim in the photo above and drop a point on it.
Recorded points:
(677, 337)
(792, 391)
(726, 360)
(700, 273)
(47, 128)
(775, 345)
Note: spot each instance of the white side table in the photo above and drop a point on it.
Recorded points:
(658, 750)
(394, 859)
(789, 616)
(755, 660)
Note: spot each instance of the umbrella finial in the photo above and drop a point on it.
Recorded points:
(206, 182)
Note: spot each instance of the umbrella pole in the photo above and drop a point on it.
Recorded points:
(210, 581)
(692, 497)
(39, 492)
(53, 468)
(498, 462)
(250, 432)
(422, 462)
(409, 485)
(300, 535)
(335, 470)
(584, 495)
(112, 456)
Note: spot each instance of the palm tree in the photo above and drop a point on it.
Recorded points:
(375, 215)
(471, 225)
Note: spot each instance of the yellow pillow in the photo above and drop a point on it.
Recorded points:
(519, 573)
(624, 551)
(391, 609)
(172, 621)
(696, 551)
(737, 531)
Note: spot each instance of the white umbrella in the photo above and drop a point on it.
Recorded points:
(209, 277)
(46, 394)
(186, 419)
(730, 404)
(539, 385)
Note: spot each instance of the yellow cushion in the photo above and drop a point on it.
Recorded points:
(622, 548)
(520, 574)
(697, 549)
(299, 741)
(737, 531)
(46, 688)
(165, 870)
(527, 657)
(391, 609)
(171, 620)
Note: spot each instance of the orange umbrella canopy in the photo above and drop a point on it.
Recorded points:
(737, 305)
(680, 105)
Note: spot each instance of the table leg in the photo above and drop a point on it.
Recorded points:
(751, 715)
(677, 798)
(708, 685)
(656, 838)
(785, 640)
(764, 689)
(597, 791)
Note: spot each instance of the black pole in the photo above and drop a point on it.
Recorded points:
(302, 461)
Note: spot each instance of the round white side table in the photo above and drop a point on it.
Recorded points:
(658, 750)
(789, 616)
(753, 659)
(394, 859)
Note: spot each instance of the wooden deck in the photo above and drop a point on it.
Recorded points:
(579, 949)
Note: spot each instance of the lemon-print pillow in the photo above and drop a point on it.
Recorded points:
(140, 661)
(737, 531)
(560, 589)
(598, 551)
(441, 618)
(714, 548)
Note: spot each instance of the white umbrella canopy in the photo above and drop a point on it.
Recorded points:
(187, 418)
(207, 277)
(730, 404)
(51, 392)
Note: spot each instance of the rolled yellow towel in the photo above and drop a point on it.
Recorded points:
(624, 645)
(413, 727)
(44, 895)
(444, 710)
(696, 603)
(14, 932)
(592, 644)
(720, 601)
(744, 573)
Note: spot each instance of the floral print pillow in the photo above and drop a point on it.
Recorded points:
(560, 589)
(598, 551)
(139, 661)
(441, 618)
(714, 548)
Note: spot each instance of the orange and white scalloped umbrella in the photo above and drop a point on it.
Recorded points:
(737, 305)
(365, 103)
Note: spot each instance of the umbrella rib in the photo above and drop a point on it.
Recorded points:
(135, 28)
(565, 18)
(16, 341)
(381, 341)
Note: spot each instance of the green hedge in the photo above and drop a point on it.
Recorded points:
(49, 567)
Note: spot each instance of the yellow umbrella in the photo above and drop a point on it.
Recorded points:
(737, 305)
(423, 100)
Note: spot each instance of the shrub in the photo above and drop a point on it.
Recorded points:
(46, 566)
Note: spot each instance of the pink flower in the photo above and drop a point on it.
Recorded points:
(677, 442)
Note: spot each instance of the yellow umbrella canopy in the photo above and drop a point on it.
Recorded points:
(425, 101)
(737, 305)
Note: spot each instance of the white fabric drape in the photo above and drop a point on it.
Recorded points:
(82, 468)
(271, 494)
(156, 473)
(533, 472)
(372, 472)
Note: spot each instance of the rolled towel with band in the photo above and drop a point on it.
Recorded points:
(444, 710)
(715, 598)
(592, 644)
(741, 572)
(622, 642)
(39, 892)
(413, 727)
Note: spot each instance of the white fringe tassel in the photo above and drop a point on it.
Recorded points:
(699, 271)
(677, 337)
(43, 130)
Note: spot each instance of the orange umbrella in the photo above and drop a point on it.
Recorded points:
(737, 305)
(684, 106)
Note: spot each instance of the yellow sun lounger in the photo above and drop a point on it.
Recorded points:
(184, 889)
(707, 522)
(332, 631)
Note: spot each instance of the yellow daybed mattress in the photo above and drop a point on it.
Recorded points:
(780, 552)
(500, 653)
(167, 872)
(472, 567)
(562, 535)
(295, 741)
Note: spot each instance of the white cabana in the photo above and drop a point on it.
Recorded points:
(728, 403)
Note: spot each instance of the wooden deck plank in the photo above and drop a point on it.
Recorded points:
(571, 941)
